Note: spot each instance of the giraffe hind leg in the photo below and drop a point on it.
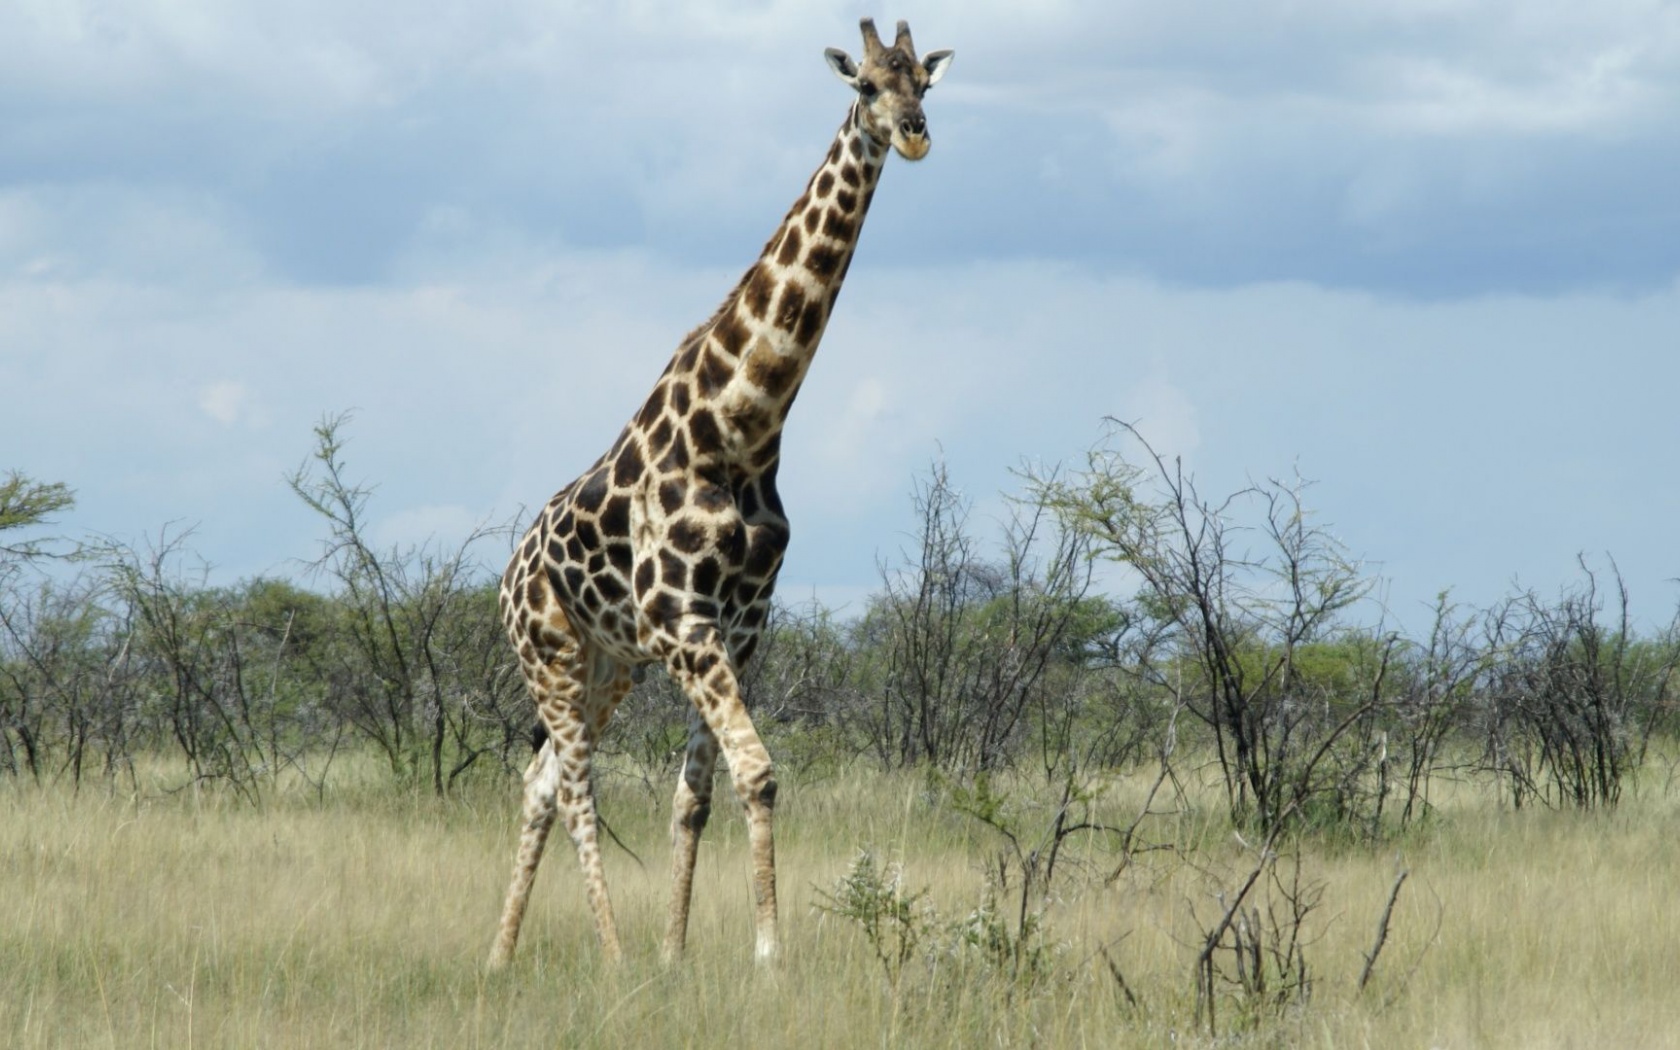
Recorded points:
(574, 746)
(572, 709)
(689, 812)
(542, 779)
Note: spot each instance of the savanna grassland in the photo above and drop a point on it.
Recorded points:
(360, 916)
(1234, 804)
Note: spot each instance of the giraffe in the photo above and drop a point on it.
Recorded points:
(666, 550)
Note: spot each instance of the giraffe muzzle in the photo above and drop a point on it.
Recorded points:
(911, 139)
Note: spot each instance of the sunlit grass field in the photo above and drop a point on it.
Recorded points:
(362, 917)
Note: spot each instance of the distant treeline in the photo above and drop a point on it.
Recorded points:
(1243, 634)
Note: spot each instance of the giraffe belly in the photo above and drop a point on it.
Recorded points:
(628, 574)
(720, 581)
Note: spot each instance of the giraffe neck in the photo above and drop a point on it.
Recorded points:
(746, 364)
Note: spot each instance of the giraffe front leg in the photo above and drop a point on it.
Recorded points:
(701, 666)
(689, 812)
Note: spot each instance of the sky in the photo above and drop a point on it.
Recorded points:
(1425, 253)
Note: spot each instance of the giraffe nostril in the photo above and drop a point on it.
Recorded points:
(912, 125)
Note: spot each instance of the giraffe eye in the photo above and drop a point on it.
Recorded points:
(867, 89)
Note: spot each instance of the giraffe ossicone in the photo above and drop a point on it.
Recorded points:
(666, 549)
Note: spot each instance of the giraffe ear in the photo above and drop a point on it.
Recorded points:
(843, 66)
(936, 63)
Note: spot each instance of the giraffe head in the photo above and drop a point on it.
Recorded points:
(890, 82)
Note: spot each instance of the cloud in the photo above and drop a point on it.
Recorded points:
(157, 237)
(441, 526)
(847, 446)
(1455, 443)
(1165, 413)
(1404, 147)
(1396, 242)
(225, 401)
(1596, 95)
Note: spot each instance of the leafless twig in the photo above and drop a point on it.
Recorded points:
(1382, 931)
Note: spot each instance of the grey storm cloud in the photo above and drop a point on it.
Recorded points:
(1391, 244)
(1414, 148)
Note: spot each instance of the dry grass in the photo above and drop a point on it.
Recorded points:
(363, 921)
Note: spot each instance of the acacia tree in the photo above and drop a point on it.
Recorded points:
(1232, 621)
(1571, 701)
(24, 503)
(192, 659)
(69, 695)
(966, 644)
(1437, 684)
(421, 669)
(37, 634)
